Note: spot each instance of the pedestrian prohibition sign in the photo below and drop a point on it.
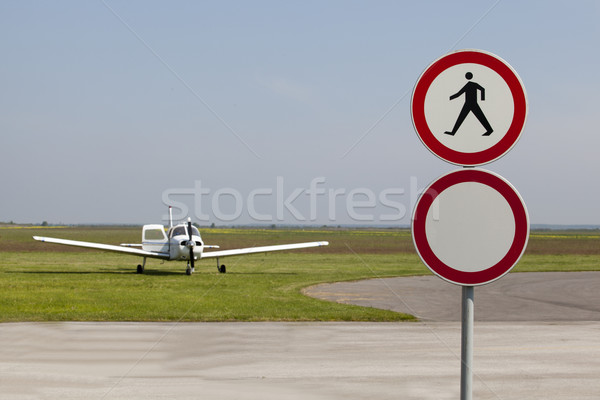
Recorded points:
(469, 107)
(470, 227)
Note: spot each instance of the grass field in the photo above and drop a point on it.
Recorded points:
(45, 282)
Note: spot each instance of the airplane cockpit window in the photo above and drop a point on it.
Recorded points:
(182, 230)
(154, 234)
(178, 230)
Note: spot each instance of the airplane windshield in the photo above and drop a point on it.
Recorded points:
(179, 230)
(182, 230)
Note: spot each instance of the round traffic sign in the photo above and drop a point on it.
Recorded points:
(469, 107)
(470, 227)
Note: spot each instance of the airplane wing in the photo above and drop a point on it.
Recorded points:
(107, 247)
(262, 249)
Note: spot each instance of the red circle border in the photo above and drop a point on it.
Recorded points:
(501, 68)
(516, 249)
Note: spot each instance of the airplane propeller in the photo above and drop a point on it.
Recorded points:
(191, 243)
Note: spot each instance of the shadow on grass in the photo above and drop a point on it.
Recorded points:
(147, 272)
(100, 271)
(262, 273)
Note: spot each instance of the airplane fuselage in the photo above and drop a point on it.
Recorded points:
(176, 241)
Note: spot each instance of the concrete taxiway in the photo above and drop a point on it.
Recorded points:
(513, 360)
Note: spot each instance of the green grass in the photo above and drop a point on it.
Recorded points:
(45, 282)
(91, 286)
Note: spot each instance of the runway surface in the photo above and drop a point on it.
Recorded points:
(512, 360)
(534, 296)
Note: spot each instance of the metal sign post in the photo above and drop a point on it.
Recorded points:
(466, 347)
(470, 227)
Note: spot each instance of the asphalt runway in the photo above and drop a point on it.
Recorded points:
(421, 360)
(535, 296)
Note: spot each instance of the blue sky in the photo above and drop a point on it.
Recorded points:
(110, 108)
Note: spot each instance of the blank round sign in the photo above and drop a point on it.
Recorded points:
(470, 227)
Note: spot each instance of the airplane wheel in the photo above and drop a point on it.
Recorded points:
(140, 269)
(222, 269)
(188, 271)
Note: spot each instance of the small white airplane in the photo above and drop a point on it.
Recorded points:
(180, 242)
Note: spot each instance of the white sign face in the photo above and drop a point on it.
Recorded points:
(492, 97)
(469, 107)
(470, 227)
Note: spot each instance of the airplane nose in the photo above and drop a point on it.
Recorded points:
(187, 243)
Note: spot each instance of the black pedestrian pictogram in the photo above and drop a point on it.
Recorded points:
(470, 90)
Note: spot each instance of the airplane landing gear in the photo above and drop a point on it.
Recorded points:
(189, 270)
(140, 268)
(222, 268)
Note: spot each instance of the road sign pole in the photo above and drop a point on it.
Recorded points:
(485, 227)
(466, 351)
